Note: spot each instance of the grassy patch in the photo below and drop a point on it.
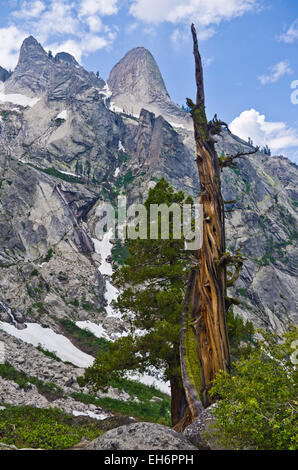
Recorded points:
(124, 181)
(141, 391)
(123, 158)
(53, 172)
(49, 390)
(44, 428)
(87, 306)
(47, 353)
(83, 339)
(157, 412)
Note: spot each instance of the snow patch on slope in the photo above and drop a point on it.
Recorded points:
(17, 98)
(98, 330)
(104, 248)
(120, 146)
(91, 414)
(36, 335)
(62, 115)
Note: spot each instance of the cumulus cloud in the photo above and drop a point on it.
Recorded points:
(30, 9)
(205, 13)
(276, 72)
(11, 39)
(291, 35)
(59, 18)
(76, 27)
(94, 23)
(79, 48)
(102, 7)
(277, 135)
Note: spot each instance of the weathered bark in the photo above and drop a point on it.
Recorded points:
(206, 308)
(178, 400)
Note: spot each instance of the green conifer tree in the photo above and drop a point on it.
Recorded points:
(152, 283)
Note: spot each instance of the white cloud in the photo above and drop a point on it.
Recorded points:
(94, 23)
(59, 18)
(11, 39)
(79, 48)
(30, 9)
(202, 12)
(276, 72)
(291, 35)
(102, 7)
(277, 135)
(68, 25)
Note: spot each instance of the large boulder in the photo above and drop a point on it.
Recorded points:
(201, 431)
(141, 436)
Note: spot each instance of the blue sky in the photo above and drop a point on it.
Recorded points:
(249, 49)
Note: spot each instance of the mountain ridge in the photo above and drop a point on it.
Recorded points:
(73, 147)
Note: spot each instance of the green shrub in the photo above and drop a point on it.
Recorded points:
(75, 303)
(49, 255)
(47, 389)
(43, 428)
(8, 372)
(53, 172)
(87, 306)
(258, 406)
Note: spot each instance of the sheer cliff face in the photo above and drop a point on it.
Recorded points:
(4, 74)
(110, 144)
(136, 83)
(138, 74)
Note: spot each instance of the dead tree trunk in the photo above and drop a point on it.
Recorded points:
(208, 309)
(205, 307)
(204, 348)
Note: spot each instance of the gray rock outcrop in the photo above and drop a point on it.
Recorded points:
(141, 436)
(136, 83)
(201, 431)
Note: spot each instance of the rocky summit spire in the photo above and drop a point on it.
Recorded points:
(31, 74)
(38, 72)
(30, 49)
(138, 73)
(136, 82)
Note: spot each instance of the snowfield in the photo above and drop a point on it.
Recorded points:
(17, 98)
(104, 249)
(97, 330)
(36, 335)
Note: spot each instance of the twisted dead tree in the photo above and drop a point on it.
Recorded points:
(204, 348)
